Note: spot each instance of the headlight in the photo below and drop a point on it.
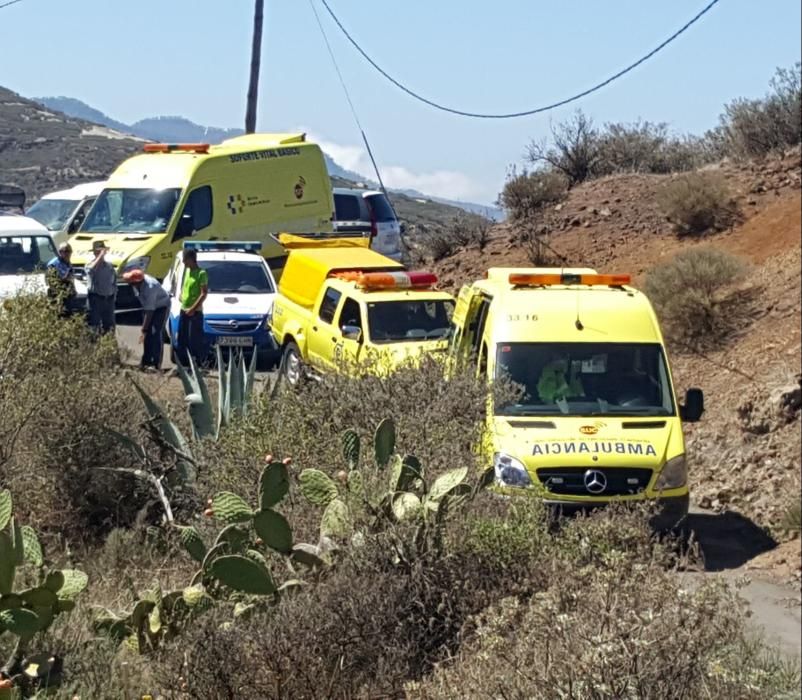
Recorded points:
(140, 263)
(269, 317)
(674, 474)
(510, 471)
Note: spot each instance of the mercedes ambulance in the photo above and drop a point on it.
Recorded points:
(244, 189)
(593, 417)
(350, 308)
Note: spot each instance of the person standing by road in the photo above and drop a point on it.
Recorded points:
(61, 280)
(194, 288)
(102, 290)
(155, 303)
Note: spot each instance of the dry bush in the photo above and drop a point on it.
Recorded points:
(59, 391)
(573, 151)
(755, 128)
(525, 194)
(698, 202)
(694, 297)
(464, 231)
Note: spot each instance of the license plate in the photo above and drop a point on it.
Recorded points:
(244, 341)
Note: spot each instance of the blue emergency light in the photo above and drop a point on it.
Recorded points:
(220, 246)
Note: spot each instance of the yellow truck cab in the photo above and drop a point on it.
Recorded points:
(246, 188)
(594, 417)
(342, 307)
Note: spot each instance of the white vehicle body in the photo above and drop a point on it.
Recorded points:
(63, 212)
(240, 298)
(368, 213)
(25, 249)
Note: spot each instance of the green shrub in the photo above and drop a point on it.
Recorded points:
(525, 194)
(692, 294)
(698, 202)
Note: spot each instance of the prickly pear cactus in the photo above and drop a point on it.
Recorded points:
(231, 508)
(274, 484)
(384, 442)
(317, 487)
(243, 574)
(351, 448)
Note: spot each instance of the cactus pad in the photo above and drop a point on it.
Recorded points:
(308, 555)
(243, 574)
(5, 508)
(274, 530)
(7, 565)
(336, 520)
(384, 441)
(406, 506)
(193, 543)
(54, 581)
(39, 597)
(233, 536)
(446, 482)
(403, 472)
(31, 548)
(317, 487)
(19, 621)
(274, 483)
(230, 508)
(74, 582)
(355, 483)
(351, 448)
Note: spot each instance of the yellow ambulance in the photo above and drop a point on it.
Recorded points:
(246, 188)
(346, 307)
(592, 417)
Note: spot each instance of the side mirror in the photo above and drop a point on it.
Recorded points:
(352, 333)
(694, 406)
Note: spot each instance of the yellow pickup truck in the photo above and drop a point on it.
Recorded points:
(345, 307)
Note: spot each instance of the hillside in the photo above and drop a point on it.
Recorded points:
(41, 150)
(746, 451)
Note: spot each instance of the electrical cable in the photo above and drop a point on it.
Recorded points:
(529, 112)
(350, 101)
(11, 2)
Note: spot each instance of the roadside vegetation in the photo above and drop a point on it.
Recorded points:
(332, 542)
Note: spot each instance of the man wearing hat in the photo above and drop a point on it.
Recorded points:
(155, 306)
(61, 280)
(102, 289)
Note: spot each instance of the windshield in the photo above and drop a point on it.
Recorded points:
(132, 211)
(52, 213)
(241, 277)
(21, 255)
(409, 320)
(586, 379)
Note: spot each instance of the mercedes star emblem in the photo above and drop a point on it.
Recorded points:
(595, 481)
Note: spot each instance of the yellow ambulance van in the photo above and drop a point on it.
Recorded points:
(246, 188)
(594, 417)
(350, 308)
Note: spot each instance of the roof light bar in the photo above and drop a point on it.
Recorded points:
(172, 147)
(390, 280)
(207, 246)
(547, 280)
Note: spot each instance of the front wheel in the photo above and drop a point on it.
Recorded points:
(292, 366)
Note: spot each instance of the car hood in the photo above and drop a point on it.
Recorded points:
(391, 356)
(122, 246)
(238, 304)
(575, 441)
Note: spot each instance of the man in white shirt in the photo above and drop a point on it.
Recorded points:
(155, 307)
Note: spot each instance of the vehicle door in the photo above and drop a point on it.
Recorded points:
(473, 344)
(350, 327)
(323, 334)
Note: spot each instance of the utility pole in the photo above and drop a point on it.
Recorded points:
(256, 57)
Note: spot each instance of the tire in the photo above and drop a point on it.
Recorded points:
(292, 366)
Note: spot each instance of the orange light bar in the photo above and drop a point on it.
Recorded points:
(565, 279)
(170, 147)
(389, 280)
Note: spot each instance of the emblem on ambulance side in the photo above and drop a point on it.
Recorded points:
(299, 187)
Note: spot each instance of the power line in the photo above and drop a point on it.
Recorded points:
(529, 112)
(12, 2)
(348, 98)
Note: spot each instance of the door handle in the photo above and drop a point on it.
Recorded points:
(314, 328)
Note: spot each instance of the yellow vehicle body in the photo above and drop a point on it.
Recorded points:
(594, 418)
(247, 188)
(318, 312)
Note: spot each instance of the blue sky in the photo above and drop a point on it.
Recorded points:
(190, 57)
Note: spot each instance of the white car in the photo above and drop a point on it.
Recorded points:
(24, 254)
(63, 212)
(240, 298)
(368, 213)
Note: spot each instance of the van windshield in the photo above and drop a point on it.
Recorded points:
(409, 320)
(585, 379)
(132, 211)
(52, 213)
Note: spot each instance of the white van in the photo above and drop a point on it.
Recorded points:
(63, 212)
(368, 213)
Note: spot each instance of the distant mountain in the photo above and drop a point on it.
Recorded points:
(181, 130)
